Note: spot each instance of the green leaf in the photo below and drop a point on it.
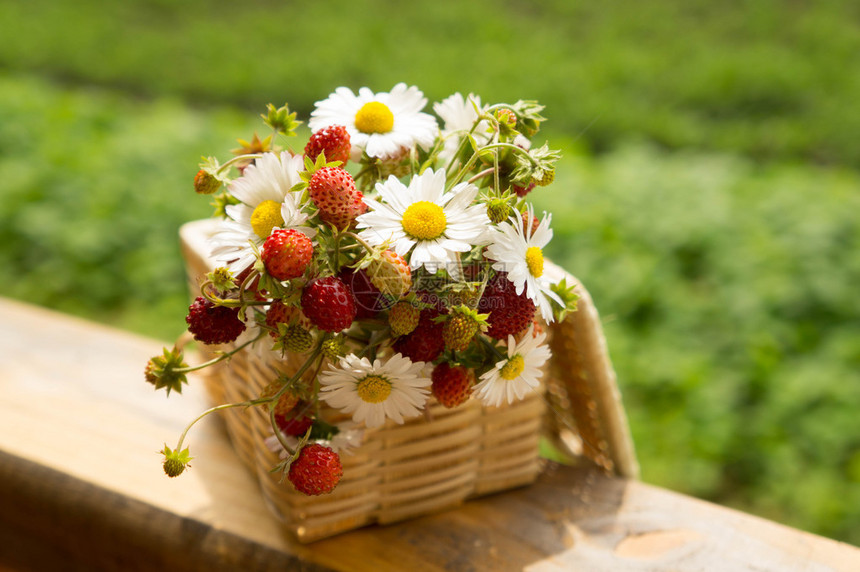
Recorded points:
(568, 297)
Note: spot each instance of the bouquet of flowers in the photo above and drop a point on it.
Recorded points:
(392, 260)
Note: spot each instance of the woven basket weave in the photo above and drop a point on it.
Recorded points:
(437, 461)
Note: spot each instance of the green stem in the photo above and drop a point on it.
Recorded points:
(434, 154)
(316, 385)
(360, 241)
(499, 355)
(372, 343)
(247, 282)
(488, 112)
(364, 170)
(482, 174)
(413, 161)
(334, 263)
(496, 164)
(474, 158)
(369, 170)
(238, 158)
(349, 247)
(460, 148)
(278, 435)
(222, 357)
(205, 290)
(250, 403)
(274, 399)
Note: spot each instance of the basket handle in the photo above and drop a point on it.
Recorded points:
(583, 390)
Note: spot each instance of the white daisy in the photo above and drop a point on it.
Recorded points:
(372, 392)
(436, 226)
(459, 116)
(381, 124)
(519, 252)
(513, 376)
(265, 203)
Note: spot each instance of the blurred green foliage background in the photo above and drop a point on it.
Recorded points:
(708, 198)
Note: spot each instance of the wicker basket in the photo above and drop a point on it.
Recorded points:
(450, 455)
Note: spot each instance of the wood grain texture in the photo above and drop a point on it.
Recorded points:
(81, 488)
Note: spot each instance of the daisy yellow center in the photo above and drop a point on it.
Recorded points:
(424, 220)
(534, 260)
(374, 117)
(513, 368)
(265, 217)
(373, 389)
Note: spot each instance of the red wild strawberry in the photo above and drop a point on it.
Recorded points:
(509, 313)
(316, 471)
(285, 403)
(367, 297)
(333, 140)
(333, 191)
(452, 385)
(278, 313)
(523, 191)
(286, 253)
(425, 343)
(213, 324)
(328, 304)
(534, 223)
(294, 422)
(538, 328)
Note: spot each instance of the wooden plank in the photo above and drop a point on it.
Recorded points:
(51, 520)
(81, 487)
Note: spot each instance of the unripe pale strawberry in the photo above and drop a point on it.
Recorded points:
(333, 348)
(459, 331)
(205, 183)
(297, 339)
(390, 273)
(403, 318)
(498, 210)
(546, 178)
